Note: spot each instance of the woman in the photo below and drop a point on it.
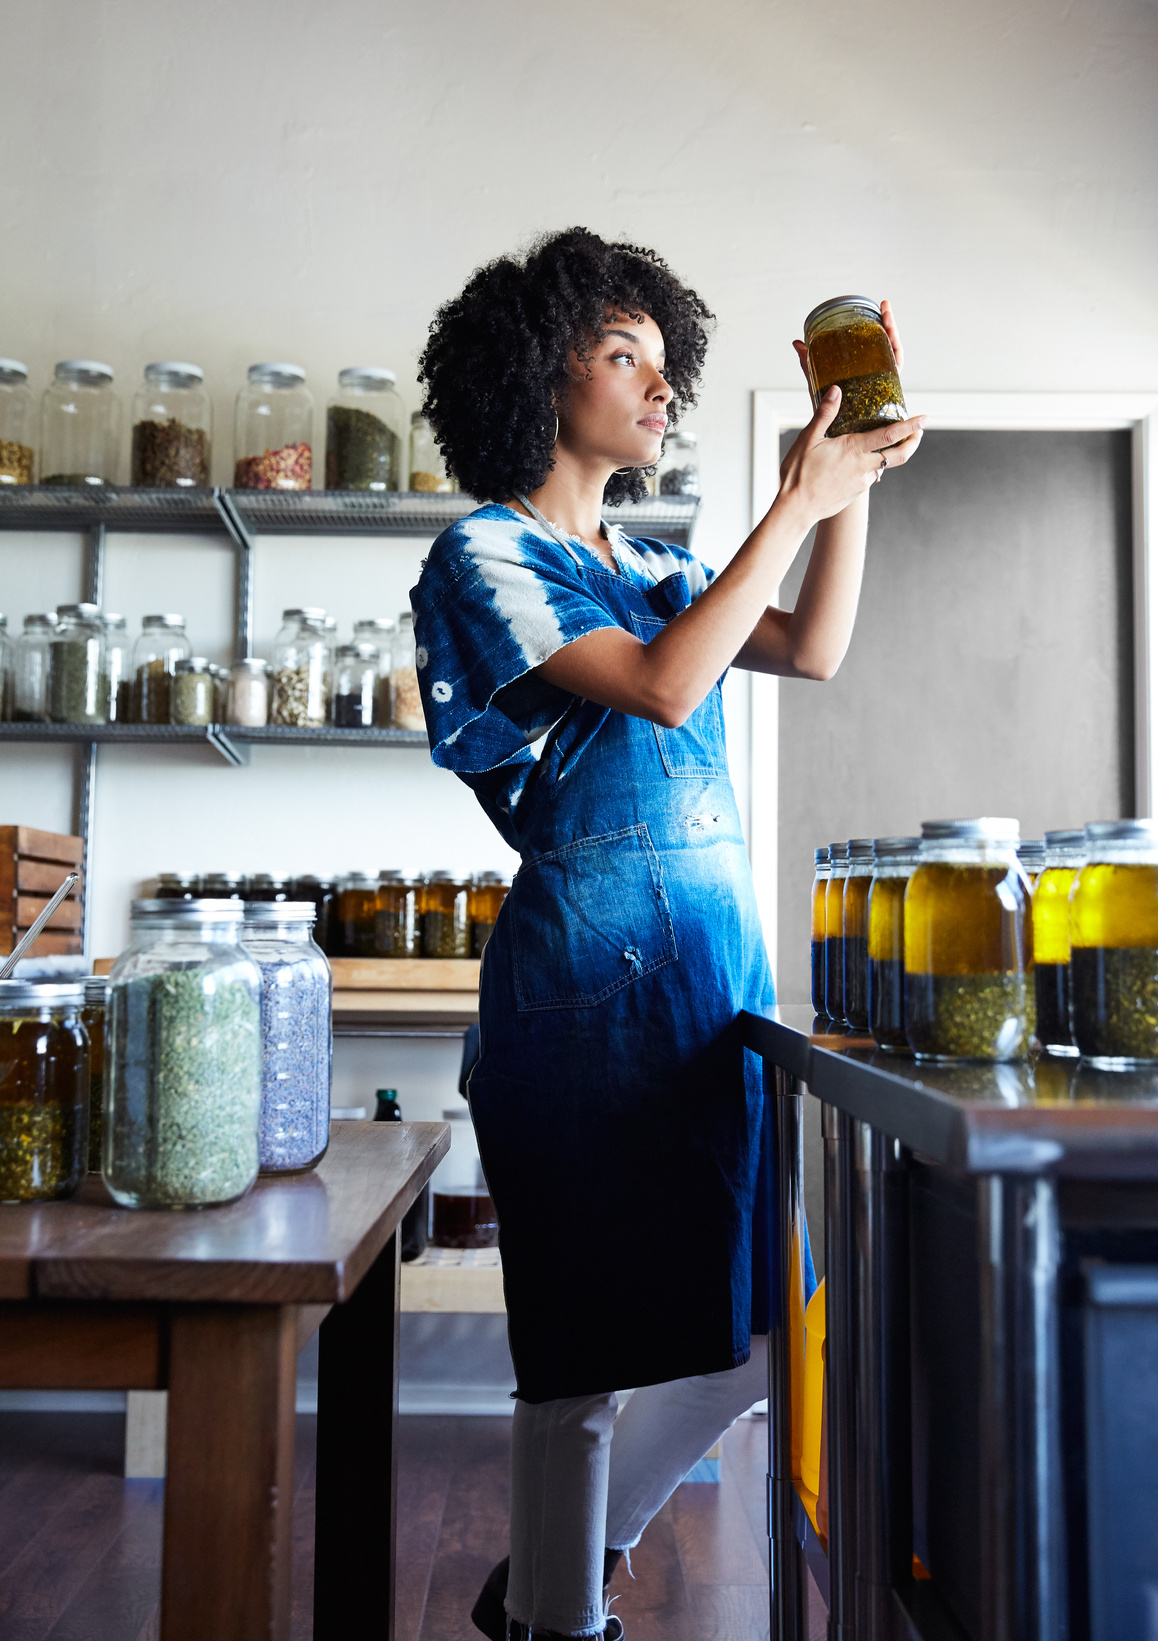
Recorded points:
(572, 678)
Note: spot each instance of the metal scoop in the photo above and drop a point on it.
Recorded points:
(27, 938)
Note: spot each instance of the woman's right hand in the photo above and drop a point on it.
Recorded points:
(819, 476)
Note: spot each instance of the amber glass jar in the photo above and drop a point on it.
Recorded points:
(44, 1090)
(1114, 945)
(96, 993)
(397, 925)
(1064, 854)
(893, 863)
(819, 885)
(487, 893)
(357, 915)
(445, 920)
(848, 347)
(966, 943)
(854, 919)
(834, 931)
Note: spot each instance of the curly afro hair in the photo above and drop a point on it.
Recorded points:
(496, 360)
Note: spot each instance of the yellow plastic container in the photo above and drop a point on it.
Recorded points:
(815, 1327)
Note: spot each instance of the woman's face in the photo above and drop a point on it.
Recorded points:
(615, 408)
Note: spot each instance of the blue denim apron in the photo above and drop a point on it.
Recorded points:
(620, 1121)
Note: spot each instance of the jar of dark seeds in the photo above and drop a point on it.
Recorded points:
(183, 1058)
(365, 431)
(847, 346)
(44, 1090)
(966, 933)
(357, 669)
(118, 670)
(854, 929)
(893, 863)
(172, 428)
(77, 684)
(296, 1034)
(1114, 945)
(1064, 855)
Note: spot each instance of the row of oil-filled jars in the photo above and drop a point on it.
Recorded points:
(73, 665)
(204, 1057)
(963, 945)
(367, 436)
(357, 915)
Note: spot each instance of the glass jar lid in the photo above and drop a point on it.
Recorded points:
(838, 854)
(406, 619)
(835, 302)
(308, 612)
(96, 990)
(194, 663)
(251, 663)
(372, 378)
(173, 373)
(276, 375)
(280, 911)
(113, 623)
(32, 623)
(83, 372)
(162, 621)
(78, 612)
(490, 877)
(1122, 841)
(681, 437)
(821, 855)
(894, 848)
(356, 652)
(860, 849)
(17, 994)
(375, 623)
(13, 370)
(186, 912)
(1073, 837)
(985, 829)
(1031, 854)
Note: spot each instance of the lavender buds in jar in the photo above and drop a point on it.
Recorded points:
(296, 1034)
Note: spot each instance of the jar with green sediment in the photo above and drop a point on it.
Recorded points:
(834, 931)
(1064, 857)
(848, 347)
(1114, 945)
(854, 931)
(44, 1090)
(893, 863)
(819, 885)
(183, 1060)
(966, 943)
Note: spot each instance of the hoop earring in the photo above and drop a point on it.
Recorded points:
(620, 470)
(555, 440)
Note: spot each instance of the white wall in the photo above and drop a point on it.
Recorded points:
(230, 183)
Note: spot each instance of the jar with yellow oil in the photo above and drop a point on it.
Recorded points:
(819, 885)
(966, 954)
(1064, 856)
(834, 931)
(854, 946)
(893, 863)
(848, 347)
(1031, 854)
(1114, 945)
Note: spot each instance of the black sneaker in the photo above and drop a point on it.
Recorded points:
(489, 1613)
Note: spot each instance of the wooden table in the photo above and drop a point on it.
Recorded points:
(214, 1307)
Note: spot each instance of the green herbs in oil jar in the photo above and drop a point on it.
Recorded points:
(848, 347)
(44, 1090)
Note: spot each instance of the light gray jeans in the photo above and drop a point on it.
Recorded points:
(584, 1480)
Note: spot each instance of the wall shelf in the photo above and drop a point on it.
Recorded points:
(230, 740)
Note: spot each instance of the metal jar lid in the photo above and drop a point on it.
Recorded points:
(162, 621)
(841, 302)
(96, 990)
(995, 829)
(1073, 837)
(276, 375)
(13, 370)
(83, 372)
(78, 612)
(821, 855)
(894, 848)
(1142, 833)
(193, 663)
(838, 854)
(279, 911)
(187, 911)
(374, 377)
(860, 849)
(173, 373)
(20, 994)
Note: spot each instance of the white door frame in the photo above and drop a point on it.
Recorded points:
(773, 412)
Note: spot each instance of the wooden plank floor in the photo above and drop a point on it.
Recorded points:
(80, 1546)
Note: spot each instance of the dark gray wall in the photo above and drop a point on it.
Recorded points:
(991, 670)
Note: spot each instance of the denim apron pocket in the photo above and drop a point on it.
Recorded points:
(695, 751)
(588, 919)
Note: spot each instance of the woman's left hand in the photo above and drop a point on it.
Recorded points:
(887, 320)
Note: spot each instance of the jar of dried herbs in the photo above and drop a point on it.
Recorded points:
(848, 346)
(357, 911)
(365, 431)
(17, 452)
(428, 471)
(445, 917)
(484, 902)
(163, 642)
(966, 943)
(96, 993)
(192, 691)
(172, 428)
(30, 657)
(296, 1035)
(80, 423)
(1064, 855)
(44, 1090)
(854, 931)
(404, 694)
(77, 691)
(834, 931)
(183, 1058)
(1114, 945)
(397, 921)
(819, 885)
(356, 686)
(893, 863)
(118, 671)
(274, 430)
(300, 696)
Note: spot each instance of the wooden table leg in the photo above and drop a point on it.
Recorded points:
(357, 1474)
(229, 1494)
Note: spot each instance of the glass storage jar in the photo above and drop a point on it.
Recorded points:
(427, 468)
(183, 1058)
(217, 886)
(854, 931)
(249, 693)
(1064, 854)
(356, 686)
(44, 1089)
(274, 430)
(162, 644)
(486, 895)
(296, 1035)
(221, 686)
(192, 692)
(96, 993)
(30, 654)
(966, 956)
(1114, 945)
(17, 451)
(77, 687)
(445, 919)
(1031, 854)
(263, 886)
(893, 862)
(172, 428)
(80, 419)
(678, 472)
(300, 692)
(356, 914)
(320, 894)
(834, 931)
(406, 701)
(174, 886)
(5, 672)
(847, 345)
(365, 431)
(463, 1214)
(819, 885)
(397, 925)
(118, 686)
(379, 630)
